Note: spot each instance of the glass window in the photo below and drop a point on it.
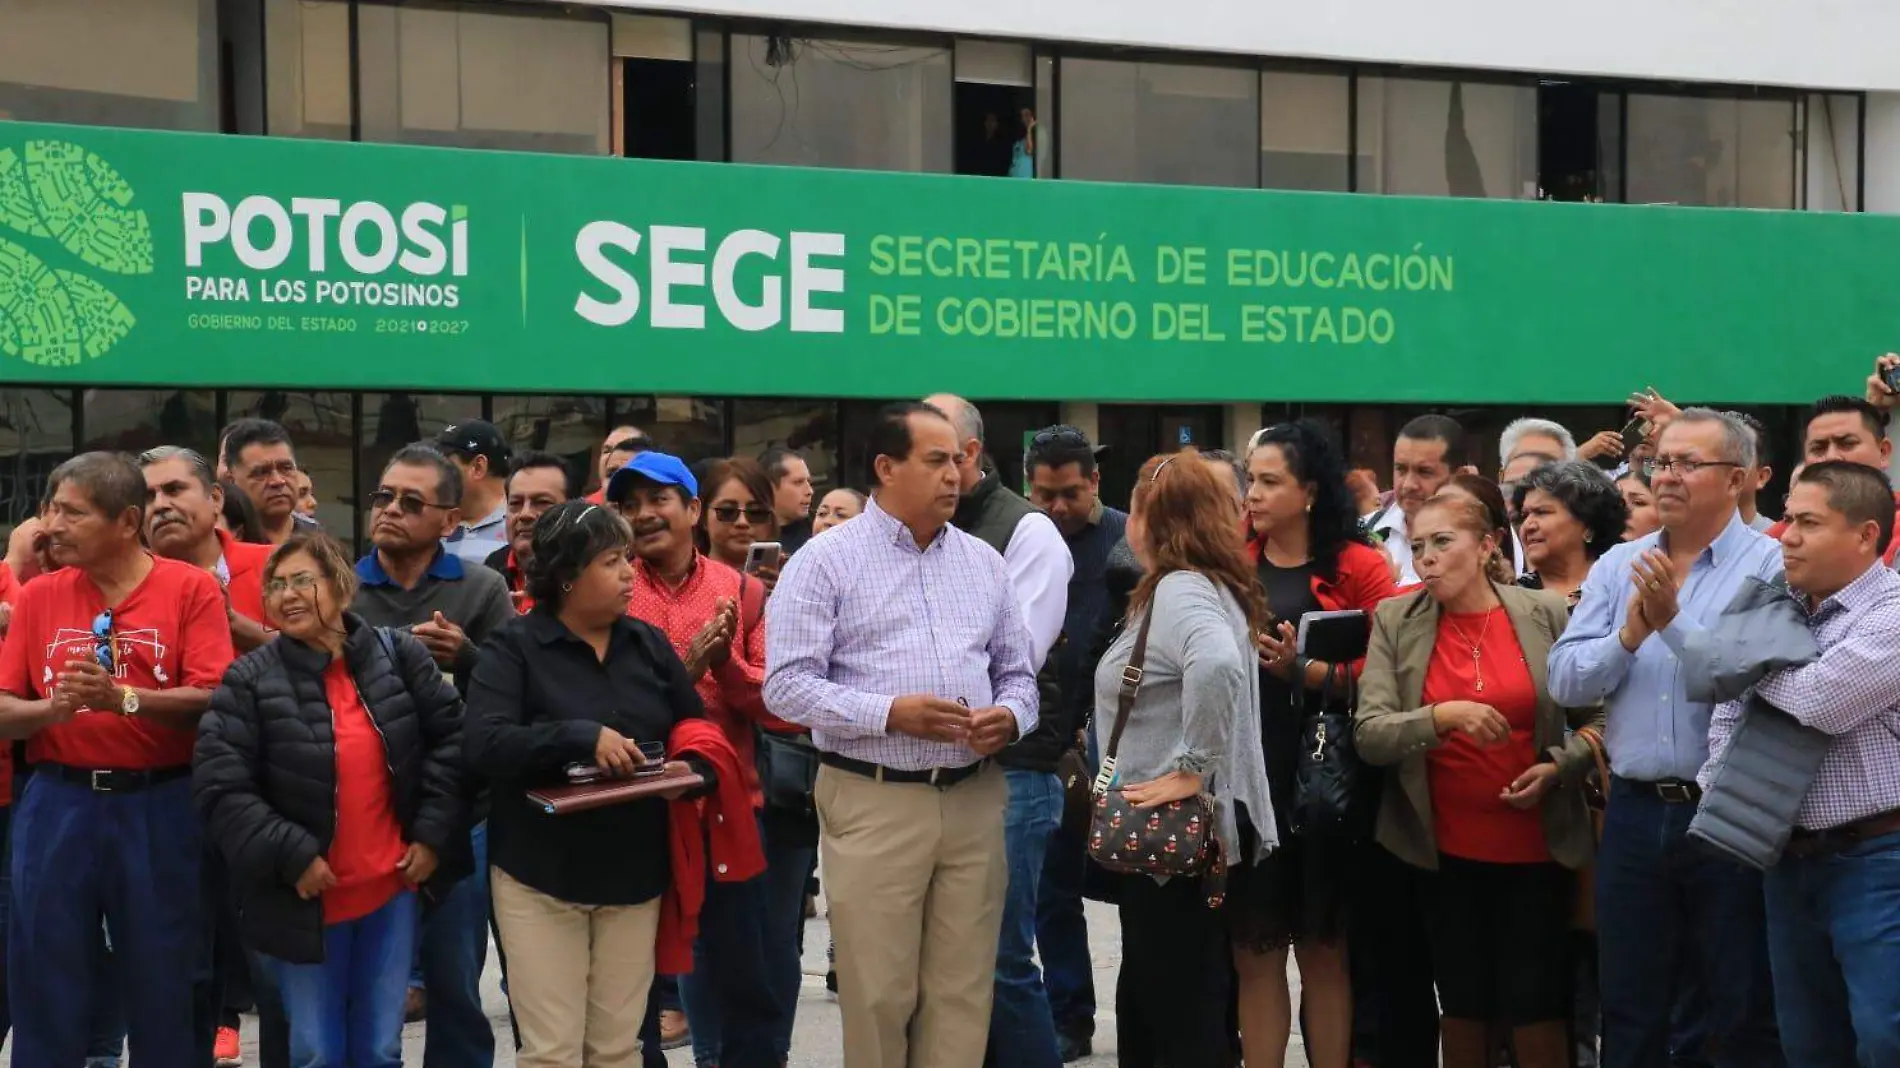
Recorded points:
(808, 426)
(307, 67)
(139, 63)
(133, 420)
(1305, 131)
(691, 428)
(1447, 138)
(480, 78)
(1713, 151)
(1171, 123)
(569, 427)
(323, 438)
(1007, 428)
(36, 435)
(1833, 152)
(857, 104)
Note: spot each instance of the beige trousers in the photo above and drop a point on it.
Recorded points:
(578, 975)
(915, 878)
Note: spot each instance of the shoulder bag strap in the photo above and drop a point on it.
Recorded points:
(1125, 700)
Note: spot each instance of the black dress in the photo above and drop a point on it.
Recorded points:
(1298, 893)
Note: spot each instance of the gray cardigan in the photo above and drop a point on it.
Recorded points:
(1199, 705)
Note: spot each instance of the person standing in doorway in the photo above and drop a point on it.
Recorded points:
(900, 602)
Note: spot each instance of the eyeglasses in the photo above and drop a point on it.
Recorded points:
(408, 502)
(102, 641)
(302, 582)
(1684, 468)
(756, 514)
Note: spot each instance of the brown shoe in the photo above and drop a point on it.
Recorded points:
(674, 1030)
(415, 1005)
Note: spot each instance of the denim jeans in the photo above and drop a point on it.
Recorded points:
(791, 853)
(454, 952)
(1834, 941)
(1022, 1029)
(731, 1000)
(1062, 936)
(134, 858)
(347, 1011)
(1662, 900)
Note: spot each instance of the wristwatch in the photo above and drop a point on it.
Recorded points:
(128, 702)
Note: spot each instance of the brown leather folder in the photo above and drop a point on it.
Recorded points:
(580, 797)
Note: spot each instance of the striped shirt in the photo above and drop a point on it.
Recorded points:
(1851, 693)
(862, 616)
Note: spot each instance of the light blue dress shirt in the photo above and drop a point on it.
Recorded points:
(1654, 731)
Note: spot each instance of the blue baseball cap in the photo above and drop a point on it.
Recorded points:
(660, 467)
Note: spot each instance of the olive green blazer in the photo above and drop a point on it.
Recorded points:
(1393, 729)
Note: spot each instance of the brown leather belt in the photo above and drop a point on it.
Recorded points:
(1805, 843)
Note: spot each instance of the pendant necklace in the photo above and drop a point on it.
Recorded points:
(1477, 647)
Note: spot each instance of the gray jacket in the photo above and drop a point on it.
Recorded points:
(1198, 708)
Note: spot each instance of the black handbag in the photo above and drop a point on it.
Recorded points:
(788, 771)
(1334, 796)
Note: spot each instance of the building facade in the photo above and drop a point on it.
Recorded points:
(1777, 106)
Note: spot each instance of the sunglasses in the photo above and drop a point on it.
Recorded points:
(756, 514)
(1058, 435)
(410, 504)
(102, 641)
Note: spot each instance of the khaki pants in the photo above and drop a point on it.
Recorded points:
(578, 975)
(915, 878)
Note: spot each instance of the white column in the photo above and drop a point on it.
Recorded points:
(1882, 166)
(1241, 421)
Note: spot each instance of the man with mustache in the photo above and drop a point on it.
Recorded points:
(412, 581)
(109, 662)
(183, 503)
(1670, 914)
(258, 455)
(715, 619)
(538, 484)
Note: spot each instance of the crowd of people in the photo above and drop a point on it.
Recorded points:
(246, 772)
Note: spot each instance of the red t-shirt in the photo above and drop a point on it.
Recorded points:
(170, 631)
(9, 592)
(245, 563)
(1469, 816)
(368, 843)
(733, 693)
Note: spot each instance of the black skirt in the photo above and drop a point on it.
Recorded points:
(1297, 893)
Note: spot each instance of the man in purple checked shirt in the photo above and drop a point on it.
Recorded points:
(897, 639)
(1833, 901)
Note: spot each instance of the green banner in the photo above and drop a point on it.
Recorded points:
(193, 260)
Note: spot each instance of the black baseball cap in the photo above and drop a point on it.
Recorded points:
(475, 438)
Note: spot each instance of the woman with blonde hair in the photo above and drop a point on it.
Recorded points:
(1192, 731)
(1485, 786)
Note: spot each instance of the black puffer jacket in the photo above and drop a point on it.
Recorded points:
(264, 774)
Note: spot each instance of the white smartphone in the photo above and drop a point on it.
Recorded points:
(763, 554)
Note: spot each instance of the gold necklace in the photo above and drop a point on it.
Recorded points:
(1477, 647)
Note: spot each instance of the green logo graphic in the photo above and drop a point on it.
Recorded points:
(59, 192)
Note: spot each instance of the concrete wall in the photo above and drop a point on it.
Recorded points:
(1818, 44)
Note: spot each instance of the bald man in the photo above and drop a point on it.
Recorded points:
(1038, 562)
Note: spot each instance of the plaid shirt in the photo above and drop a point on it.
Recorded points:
(861, 616)
(1852, 693)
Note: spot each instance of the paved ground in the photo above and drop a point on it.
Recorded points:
(817, 1042)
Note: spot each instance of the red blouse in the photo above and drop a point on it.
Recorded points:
(1469, 815)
